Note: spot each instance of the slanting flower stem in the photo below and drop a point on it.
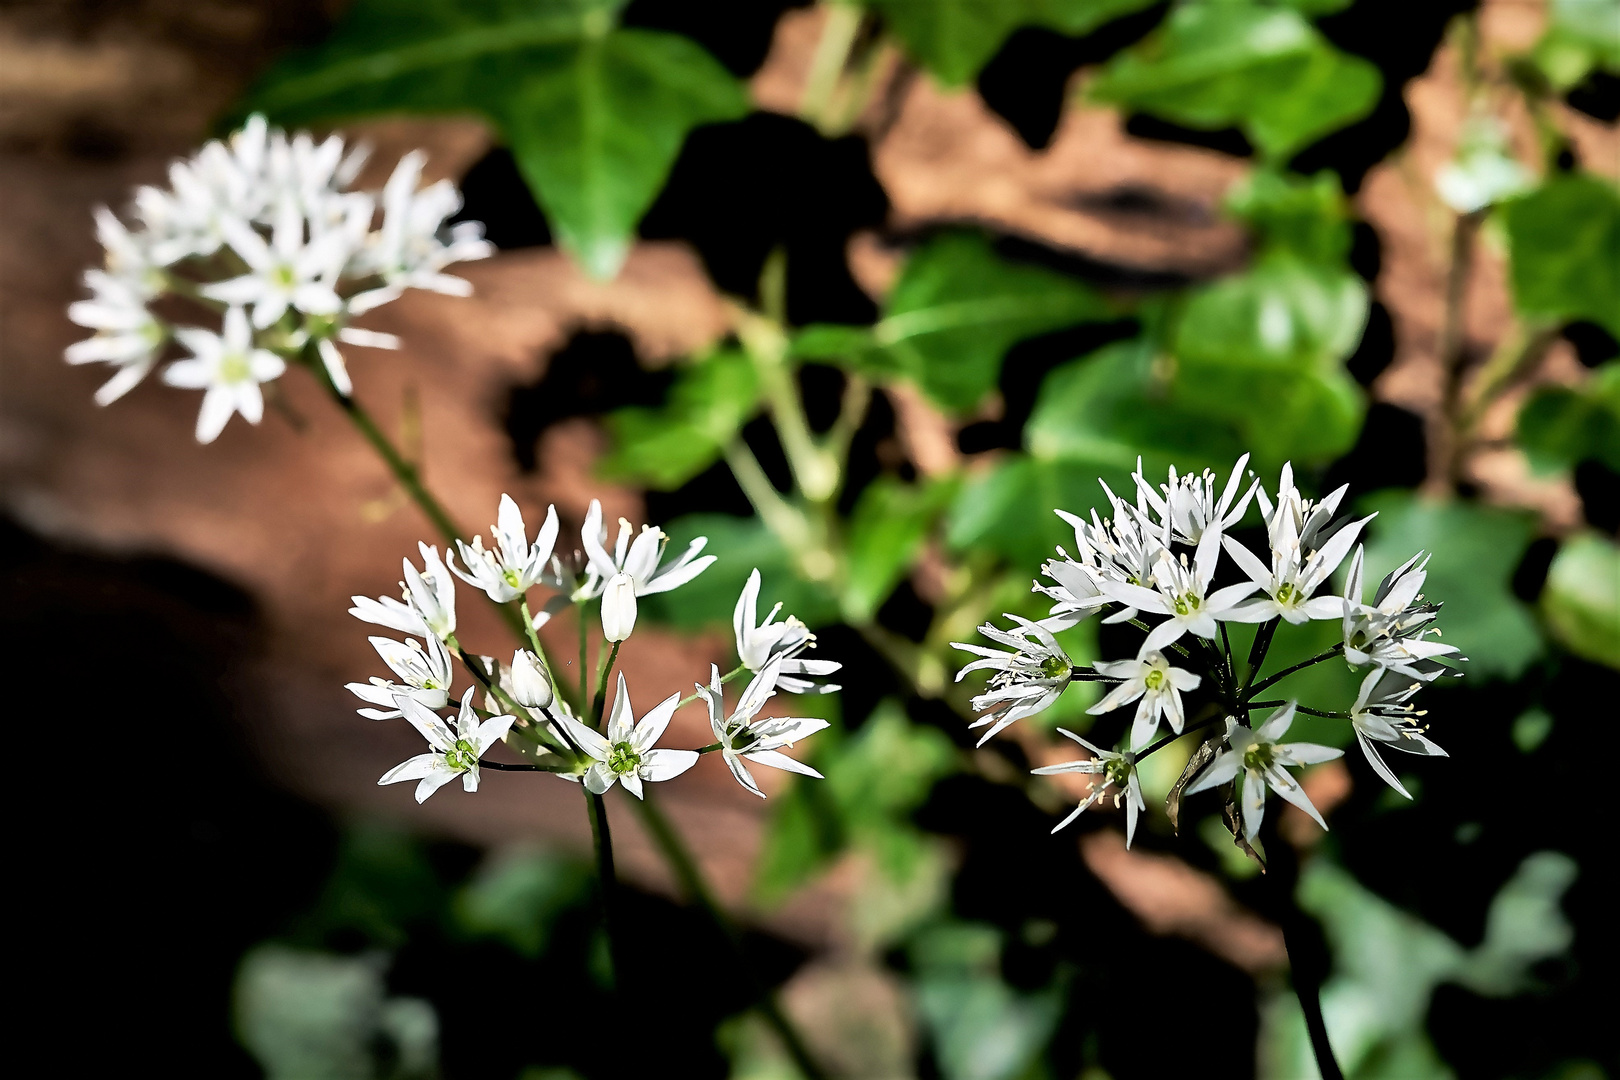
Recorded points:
(1257, 655)
(408, 475)
(1272, 680)
(727, 677)
(697, 890)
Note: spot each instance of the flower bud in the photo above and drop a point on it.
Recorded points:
(619, 608)
(530, 687)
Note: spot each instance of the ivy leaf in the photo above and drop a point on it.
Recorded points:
(953, 39)
(742, 544)
(1565, 244)
(1560, 427)
(1265, 69)
(1474, 552)
(708, 405)
(595, 115)
(887, 527)
(1308, 218)
(956, 310)
(1581, 600)
(1264, 350)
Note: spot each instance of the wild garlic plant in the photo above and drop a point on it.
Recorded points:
(1170, 563)
(555, 727)
(259, 254)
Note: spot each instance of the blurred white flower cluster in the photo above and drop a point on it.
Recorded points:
(524, 703)
(1158, 563)
(259, 253)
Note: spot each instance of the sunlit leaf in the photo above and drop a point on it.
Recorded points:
(956, 310)
(594, 115)
(1475, 550)
(954, 38)
(1564, 239)
(1263, 69)
(886, 528)
(1561, 426)
(1581, 35)
(663, 448)
(1308, 218)
(517, 898)
(1581, 600)
(741, 544)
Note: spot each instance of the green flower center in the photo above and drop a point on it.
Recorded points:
(1258, 757)
(1118, 771)
(511, 577)
(623, 759)
(1154, 680)
(1285, 593)
(234, 368)
(285, 276)
(1054, 667)
(462, 757)
(1187, 604)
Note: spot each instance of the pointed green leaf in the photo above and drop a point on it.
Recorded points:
(956, 310)
(888, 526)
(594, 115)
(1264, 69)
(665, 447)
(1562, 426)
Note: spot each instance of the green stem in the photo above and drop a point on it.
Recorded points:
(727, 677)
(697, 889)
(408, 475)
(607, 880)
(1272, 680)
(584, 660)
(602, 685)
(1174, 735)
(1257, 655)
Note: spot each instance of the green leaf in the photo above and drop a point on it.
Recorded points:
(954, 38)
(1565, 243)
(956, 310)
(594, 115)
(887, 527)
(1265, 69)
(1474, 552)
(1264, 350)
(1560, 427)
(595, 135)
(1105, 409)
(1581, 35)
(663, 448)
(1309, 218)
(518, 897)
(741, 544)
(1581, 601)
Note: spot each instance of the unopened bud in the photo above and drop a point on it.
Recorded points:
(619, 608)
(530, 687)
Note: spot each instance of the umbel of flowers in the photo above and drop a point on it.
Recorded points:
(258, 254)
(1154, 563)
(523, 703)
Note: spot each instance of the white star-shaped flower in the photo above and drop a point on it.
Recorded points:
(1188, 505)
(455, 753)
(1295, 574)
(1026, 680)
(641, 558)
(1159, 686)
(229, 368)
(1263, 761)
(1381, 715)
(1181, 591)
(760, 741)
(513, 566)
(1117, 770)
(759, 645)
(425, 676)
(408, 252)
(627, 754)
(288, 272)
(1393, 631)
(127, 333)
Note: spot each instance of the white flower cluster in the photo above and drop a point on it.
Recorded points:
(262, 236)
(523, 697)
(1157, 558)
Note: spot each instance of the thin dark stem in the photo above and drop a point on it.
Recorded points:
(693, 883)
(607, 880)
(1257, 655)
(1307, 956)
(1272, 680)
(501, 766)
(1227, 660)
